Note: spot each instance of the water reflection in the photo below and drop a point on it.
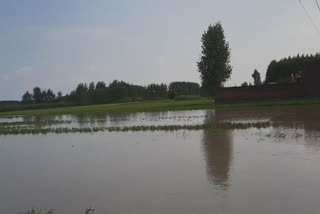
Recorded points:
(217, 146)
(302, 120)
(120, 120)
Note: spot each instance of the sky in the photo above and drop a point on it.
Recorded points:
(57, 44)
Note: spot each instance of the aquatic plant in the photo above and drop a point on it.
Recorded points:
(33, 211)
(24, 130)
(37, 212)
(36, 122)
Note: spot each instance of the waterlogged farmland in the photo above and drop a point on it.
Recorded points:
(201, 161)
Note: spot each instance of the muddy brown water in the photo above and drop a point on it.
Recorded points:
(273, 170)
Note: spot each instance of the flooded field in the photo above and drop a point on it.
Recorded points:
(269, 169)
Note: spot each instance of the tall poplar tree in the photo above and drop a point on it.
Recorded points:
(214, 65)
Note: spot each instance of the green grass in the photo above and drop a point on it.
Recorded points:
(164, 105)
(150, 106)
(186, 97)
(270, 103)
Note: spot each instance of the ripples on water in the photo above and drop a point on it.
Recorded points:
(271, 170)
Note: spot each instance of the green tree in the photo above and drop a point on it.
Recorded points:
(256, 77)
(37, 95)
(184, 88)
(59, 96)
(281, 71)
(50, 96)
(245, 84)
(101, 85)
(156, 91)
(214, 65)
(26, 98)
(81, 94)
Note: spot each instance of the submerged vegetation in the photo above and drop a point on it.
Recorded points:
(36, 123)
(24, 130)
(33, 211)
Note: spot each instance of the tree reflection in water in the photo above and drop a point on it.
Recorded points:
(217, 146)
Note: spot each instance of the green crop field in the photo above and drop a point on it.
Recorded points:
(163, 105)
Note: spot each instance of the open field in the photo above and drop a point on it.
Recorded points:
(164, 105)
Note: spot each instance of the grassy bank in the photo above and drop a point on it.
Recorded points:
(270, 103)
(164, 105)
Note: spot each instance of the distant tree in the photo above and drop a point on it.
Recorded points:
(184, 88)
(91, 92)
(81, 94)
(154, 91)
(50, 96)
(37, 95)
(214, 65)
(59, 95)
(244, 84)
(101, 85)
(135, 92)
(91, 88)
(101, 93)
(26, 98)
(281, 71)
(119, 93)
(44, 98)
(256, 77)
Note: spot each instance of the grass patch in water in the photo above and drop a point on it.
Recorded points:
(16, 130)
(33, 211)
(36, 123)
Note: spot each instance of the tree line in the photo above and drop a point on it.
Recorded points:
(280, 71)
(116, 91)
(41, 96)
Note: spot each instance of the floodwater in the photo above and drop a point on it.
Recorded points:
(271, 170)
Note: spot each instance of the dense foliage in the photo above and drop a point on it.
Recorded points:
(155, 91)
(183, 88)
(117, 91)
(41, 96)
(214, 65)
(256, 77)
(100, 93)
(280, 71)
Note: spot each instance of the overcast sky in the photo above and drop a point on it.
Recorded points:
(59, 43)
